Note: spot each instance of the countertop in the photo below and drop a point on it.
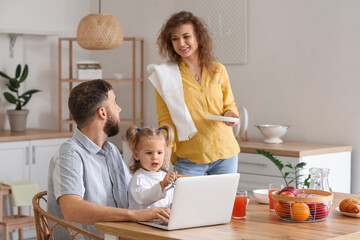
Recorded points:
(32, 134)
(292, 149)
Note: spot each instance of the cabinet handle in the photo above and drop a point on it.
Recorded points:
(33, 154)
(255, 164)
(27, 161)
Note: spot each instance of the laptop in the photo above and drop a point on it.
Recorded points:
(201, 201)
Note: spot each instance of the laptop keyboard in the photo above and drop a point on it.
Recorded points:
(163, 224)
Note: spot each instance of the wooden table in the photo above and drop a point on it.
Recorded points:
(260, 224)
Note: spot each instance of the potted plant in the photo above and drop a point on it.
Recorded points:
(18, 116)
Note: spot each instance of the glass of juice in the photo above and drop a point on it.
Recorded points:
(272, 188)
(239, 210)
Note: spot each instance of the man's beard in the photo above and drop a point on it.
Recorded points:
(111, 127)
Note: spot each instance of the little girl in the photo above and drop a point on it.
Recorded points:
(147, 187)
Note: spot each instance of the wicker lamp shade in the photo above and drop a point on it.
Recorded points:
(99, 32)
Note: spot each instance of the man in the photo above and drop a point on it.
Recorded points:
(88, 180)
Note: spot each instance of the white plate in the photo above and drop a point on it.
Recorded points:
(355, 215)
(222, 118)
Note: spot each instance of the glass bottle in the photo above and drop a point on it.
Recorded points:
(315, 178)
(325, 179)
(319, 179)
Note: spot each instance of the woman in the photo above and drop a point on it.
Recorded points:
(185, 41)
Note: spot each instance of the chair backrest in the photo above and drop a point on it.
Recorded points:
(46, 223)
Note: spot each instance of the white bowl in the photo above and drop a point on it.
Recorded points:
(262, 195)
(272, 132)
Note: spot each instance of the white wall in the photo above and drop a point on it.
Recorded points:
(303, 66)
(303, 70)
(40, 52)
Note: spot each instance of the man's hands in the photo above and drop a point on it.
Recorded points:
(230, 113)
(148, 214)
(168, 179)
(75, 209)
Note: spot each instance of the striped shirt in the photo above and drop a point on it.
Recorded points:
(97, 175)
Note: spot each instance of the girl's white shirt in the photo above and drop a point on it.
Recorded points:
(145, 190)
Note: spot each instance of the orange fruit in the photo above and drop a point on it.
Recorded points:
(283, 212)
(300, 212)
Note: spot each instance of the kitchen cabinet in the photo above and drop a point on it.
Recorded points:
(27, 156)
(256, 171)
(27, 160)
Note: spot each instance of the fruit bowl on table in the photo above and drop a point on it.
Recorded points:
(262, 195)
(309, 206)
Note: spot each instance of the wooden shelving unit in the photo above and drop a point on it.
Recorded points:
(134, 79)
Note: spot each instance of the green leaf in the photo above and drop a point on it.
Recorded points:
(307, 182)
(26, 98)
(279, 164)
(300, 165)
(10, 98)
(286, 174)
(292, 180)
(30, 92)
(24, 74)
(290, 165)
(18, 71)
(11, 88)
(14, 83)
(4, 75)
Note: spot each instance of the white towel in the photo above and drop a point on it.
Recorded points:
(166, 78)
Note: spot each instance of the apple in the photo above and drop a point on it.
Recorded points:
(289, 189)
(287, 192)
(318, 210)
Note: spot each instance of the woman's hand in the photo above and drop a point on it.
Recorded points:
(230, 113)
(168, 179)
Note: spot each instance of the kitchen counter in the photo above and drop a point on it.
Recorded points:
(259, 224)
(257, 171)
(292, 149)
(31, 134)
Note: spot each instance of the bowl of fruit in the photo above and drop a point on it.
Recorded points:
(302, 205)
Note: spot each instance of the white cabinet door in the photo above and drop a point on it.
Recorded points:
(14, 161)
(28, 160)
(41, 154)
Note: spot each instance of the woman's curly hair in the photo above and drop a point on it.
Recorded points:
(166, 50)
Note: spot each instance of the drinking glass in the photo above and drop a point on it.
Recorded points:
(239, 210)
(273, 187)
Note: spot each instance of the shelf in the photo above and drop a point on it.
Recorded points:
(29, 32)
(135, 78)
(14, 33)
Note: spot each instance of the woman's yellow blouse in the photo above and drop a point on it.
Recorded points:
(214, 140)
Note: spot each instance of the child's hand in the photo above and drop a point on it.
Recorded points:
(168, 179)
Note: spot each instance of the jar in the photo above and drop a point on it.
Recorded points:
(319, 179)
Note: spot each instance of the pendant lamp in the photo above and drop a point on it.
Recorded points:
(99, 31)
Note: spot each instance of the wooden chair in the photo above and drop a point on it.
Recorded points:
(46, 223)
(12, 222)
